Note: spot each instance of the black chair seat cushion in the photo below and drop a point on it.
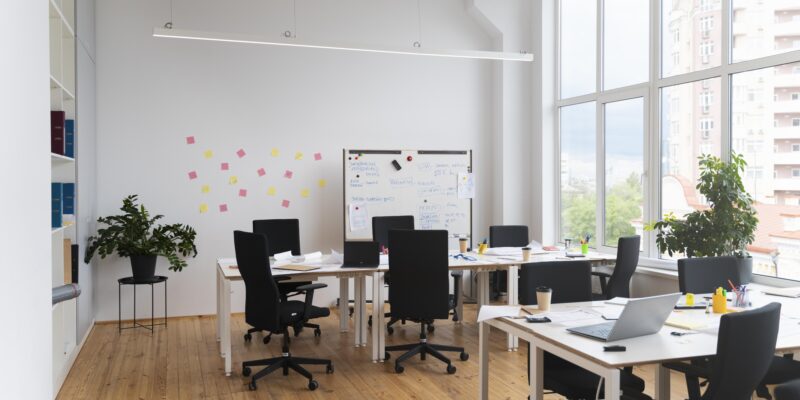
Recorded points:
(782, 370)
(292, 312)
(788, 391)
(569, 380)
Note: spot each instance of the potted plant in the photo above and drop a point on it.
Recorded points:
(134, 234)
(726, 228)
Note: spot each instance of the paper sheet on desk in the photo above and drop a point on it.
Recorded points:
(286, 255)
(492, 312)
(333, 258)
(315, 256)
(560, 317)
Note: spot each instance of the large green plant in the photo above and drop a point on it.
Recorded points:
(135, 233)
(726, 227)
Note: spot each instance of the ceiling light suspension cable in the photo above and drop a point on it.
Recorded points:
(418, 43)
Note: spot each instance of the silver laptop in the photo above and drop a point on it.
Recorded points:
(640, 317)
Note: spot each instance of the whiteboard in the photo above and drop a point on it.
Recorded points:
(426, 186)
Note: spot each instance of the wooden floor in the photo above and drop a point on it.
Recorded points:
(181, 361)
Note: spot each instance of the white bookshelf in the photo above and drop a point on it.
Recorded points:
(62, 98)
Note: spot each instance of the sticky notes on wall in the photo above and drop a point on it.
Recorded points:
(322, 183)
(205, 189)
(242, 192)
(240, 153)
(272, 191)
(208, 154)
(190, 140)
(192, 174)
(233, 180)
(298, 156)
(203, 208)
(275, 152)
(261, 172)
(305, 193)
(224, 166)
(285, 204)
(317, 156)
(288, 174)
(223, 207)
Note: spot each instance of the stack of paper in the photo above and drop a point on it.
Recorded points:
(492, 312)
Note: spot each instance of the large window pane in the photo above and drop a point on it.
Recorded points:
(578, 182)
(624, 160)
(626, 39)
(690, 35)
(578, 47)
(766, 130)
(761, 28)
(690, 127)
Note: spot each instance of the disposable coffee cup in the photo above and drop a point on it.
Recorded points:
(526, 254)
(543, 295)
(462, 245)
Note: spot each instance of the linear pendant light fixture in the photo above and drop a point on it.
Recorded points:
(419, 51)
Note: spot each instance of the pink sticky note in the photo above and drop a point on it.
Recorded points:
(241, 153)
(223, 207)
(261, 172)
(287, 174)
(190, 140)
(317, 156)
(192, 175)
(224, 166)
(285, 204)
(242, 192)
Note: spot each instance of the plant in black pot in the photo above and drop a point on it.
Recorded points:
(726, 228)
(135, 234)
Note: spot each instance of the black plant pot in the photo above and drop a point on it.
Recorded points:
(144, 267)
(745, 265)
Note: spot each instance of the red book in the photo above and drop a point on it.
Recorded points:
(57, 132)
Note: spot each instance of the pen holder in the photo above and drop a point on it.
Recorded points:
(482, 248)
(585, 248)
(719, 303)
(742, 299)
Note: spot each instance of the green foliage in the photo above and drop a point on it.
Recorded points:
(135, 233)
(726, 228)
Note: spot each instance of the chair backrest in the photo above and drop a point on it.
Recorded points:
(705, 274)
(627, 259)
(418, 263)
(283, 234)
(571, 281)
(262, 301)
(745, 348)
(382, 225)
(508, 236)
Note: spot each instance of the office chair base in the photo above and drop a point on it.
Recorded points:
(284, 363)
(423, 349)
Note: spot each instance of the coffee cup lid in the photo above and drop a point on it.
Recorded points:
(464, 239)
(526, 248)
(543, 289)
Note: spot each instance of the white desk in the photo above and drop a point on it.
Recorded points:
(650, 349)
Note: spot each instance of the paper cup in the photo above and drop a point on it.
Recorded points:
(543, 296)
(526, 254)
(462, 245)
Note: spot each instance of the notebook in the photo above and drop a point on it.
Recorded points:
(295, 267)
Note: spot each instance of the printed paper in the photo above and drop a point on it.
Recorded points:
(466, 185)
(358, 216)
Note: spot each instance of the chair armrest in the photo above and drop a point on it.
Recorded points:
(311, 286)
(689, 369)
(601, 273)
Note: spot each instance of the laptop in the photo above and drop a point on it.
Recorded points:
(640, 317)
(358, 254)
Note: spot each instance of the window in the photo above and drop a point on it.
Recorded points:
(706, 100)
(578, 47)
(698, 27)
(705, 5)
(795, 96)
(795, 172)
(706, 126)
(706, 25)
(795, 121)
(758, 36)
(707, 49)
(795, 147)
(578, 183)
(626, 43)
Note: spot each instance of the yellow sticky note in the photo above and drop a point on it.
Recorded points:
(305, 193)
(205, 189)
(233, 180)
(208, 154)
(203, 207)
(322, 183)
(272, 191)
(298, 156)
(275, 152)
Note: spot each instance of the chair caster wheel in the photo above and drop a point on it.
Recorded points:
(389, 330)
(317, 332)
(369, 321)
(463, 356)
(313, 385)
(248, 337)
(266, 339)
(451, 369)
(329, 369)
(399, 368)
(252, 385)
(386, 356)
(246, 371)
(431, 328)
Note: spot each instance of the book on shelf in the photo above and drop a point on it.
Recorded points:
(55, 198)
(69, 138)
(57, 132)
(68, 198)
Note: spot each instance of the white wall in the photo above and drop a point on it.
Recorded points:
(25, 244)
(151, 93)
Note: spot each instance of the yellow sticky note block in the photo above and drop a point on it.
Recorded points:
(203, 208)
(205, 189)
(298, 156)
(272, 191)
(322, 183)
(208, 154)
(305, 193)
(233, 180)
(275, 152)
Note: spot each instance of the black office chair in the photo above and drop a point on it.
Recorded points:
(783, 369)
(745, 350)
(267, 310)
(616, 282)
(419, 289)
(505, 236)
(705, 274)
(788, 391)
(571, 281)
(283, 235)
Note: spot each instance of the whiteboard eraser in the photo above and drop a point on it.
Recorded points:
(396, 165)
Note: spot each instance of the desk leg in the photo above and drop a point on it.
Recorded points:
(226, 325)
(662, 383)
(536, 371)
(364, 325)
(483, 289)
(358, 309)
(219, 308)
(513, 299)
(344, 303)
(460, 299)
(612, 384)
(378, 323)
(483, 359)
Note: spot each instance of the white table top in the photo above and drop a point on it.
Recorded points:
(656, 348)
